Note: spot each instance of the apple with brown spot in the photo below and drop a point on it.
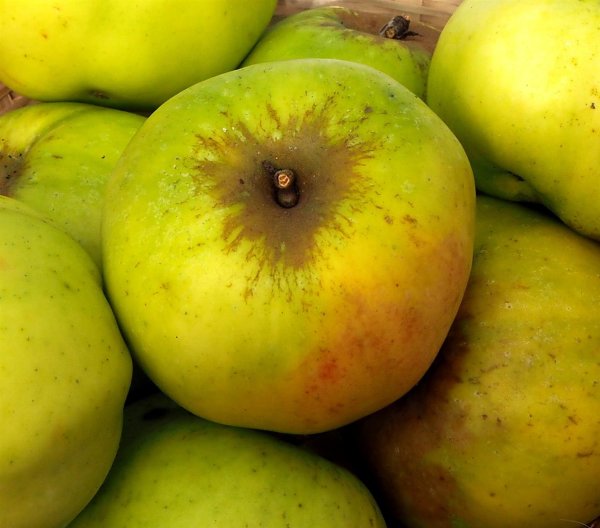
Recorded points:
(295, 309)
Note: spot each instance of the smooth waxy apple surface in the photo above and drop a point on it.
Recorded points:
(65, 373)
(56, 158)
(176, 470)
(503, 430)
(295, 310)
(120, 53)
(337, 32)
(518, 81)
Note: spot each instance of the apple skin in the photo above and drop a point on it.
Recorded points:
(502, 432)
(177, 470)
(518, 82)
(334, 33)
(294, 319)
(56, 157)
(131, 55)
(65, 373)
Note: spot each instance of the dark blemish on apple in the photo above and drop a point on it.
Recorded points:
(516, 176)
(11, 166)
(327, 179)
(328, 370)
(585, 454)
(99, 94)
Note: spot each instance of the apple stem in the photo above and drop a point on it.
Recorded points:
(397, 28)
(285, 190)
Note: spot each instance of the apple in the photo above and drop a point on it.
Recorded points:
(338, 32)
(176, 470)
(132, 55)
(56, 157)
(503, 431)
(518, 81)
(65, 373)
(286, 245)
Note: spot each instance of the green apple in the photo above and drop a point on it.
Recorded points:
(504, 429)
(337, 32)
(64, 373)
(56, 157)
(176, 470)
(518, 81)
(296, 309)
(131, 55)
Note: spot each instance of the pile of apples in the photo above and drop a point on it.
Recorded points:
(299, 272)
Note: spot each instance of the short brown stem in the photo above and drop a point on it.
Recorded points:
(285, 190)
(284, 178)
(397, 28)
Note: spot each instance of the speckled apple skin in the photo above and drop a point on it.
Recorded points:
(291, 319)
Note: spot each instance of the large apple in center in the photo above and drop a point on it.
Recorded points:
(298, 309)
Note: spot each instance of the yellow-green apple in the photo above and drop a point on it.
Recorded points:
(504, 429)
(518, 81)
(64, 373)
(338, 32)
(121, 53)
(176, 470)
(286, 245)
(56, 157)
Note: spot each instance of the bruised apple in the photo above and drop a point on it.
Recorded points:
(286, 245)
(502, 432)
